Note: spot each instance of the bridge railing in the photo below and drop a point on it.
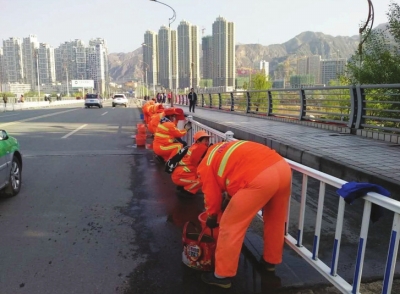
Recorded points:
(310, 252)
(371, 107)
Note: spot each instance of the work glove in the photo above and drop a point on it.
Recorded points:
(211, 221)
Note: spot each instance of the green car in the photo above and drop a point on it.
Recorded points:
(10, 165)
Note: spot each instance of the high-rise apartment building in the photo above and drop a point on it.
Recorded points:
(331, 69)
(223, 53)
(264, 67)
(2, 70)
(103, 70)
(195, 57)
(12, 50)
(150, 58)
(310, 66)
(46, 64)
(168, 58)
(207, 47)
(188, 55)
(96, 66)
(314, 67)
(30, 46)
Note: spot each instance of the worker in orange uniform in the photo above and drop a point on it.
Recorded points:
(152, 110)
(145, 109)
(185, 173)
(256, 177)
(155, 118)
(167, 138)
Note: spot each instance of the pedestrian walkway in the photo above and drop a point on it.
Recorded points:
(346, 156)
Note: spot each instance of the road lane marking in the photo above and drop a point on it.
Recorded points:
(104, 113)
(34, 118)
(74, 131)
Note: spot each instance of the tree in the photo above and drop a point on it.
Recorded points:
(259, 82)
(380, 59)
(380, 65)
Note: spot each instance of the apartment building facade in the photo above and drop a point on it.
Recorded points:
(224, 69)
(150, 57)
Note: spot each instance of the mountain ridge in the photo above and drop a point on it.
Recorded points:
(127, 66)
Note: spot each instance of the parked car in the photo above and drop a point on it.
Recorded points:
(10, 165)
(93, 100)
(119, 99)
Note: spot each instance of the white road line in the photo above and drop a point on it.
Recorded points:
(105, 113)
(33, 118)
(73, 132)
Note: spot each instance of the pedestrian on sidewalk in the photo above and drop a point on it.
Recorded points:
(192, 100)
(255, 177)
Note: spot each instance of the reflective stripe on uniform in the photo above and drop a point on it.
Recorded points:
(210, 157)
(170, 147)
(227, 154)
(161, 135)
(186, 169)
(162, 127)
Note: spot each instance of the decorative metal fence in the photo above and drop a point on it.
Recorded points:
(372, 107)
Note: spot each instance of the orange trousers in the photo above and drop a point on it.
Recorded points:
(167, 151)
(189, 181)
(269, 191)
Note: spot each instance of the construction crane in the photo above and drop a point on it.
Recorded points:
(202, 31)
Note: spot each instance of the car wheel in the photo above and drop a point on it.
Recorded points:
(125, 105)
(14, 179)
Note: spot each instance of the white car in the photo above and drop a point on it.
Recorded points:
(119, 99)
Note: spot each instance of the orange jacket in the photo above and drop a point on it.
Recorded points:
(154, 121)
(230, 166)
(191, 160)
(166, 132)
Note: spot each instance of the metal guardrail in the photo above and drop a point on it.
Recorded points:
(371, 107)
(311, 254)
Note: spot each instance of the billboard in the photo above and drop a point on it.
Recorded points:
(82, 83)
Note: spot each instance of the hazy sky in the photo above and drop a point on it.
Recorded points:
(123, 22)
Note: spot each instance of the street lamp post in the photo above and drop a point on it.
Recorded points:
(152, 59)
(171, 20)
(37, 69)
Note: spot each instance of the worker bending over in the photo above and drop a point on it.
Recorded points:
(185, 173)
(167, 138)
(256, 177)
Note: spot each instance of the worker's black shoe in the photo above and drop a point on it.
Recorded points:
(211, 279)
(179, 188)
(269, 267)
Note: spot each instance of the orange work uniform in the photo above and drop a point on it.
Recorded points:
(185, 173)
(153, 109)
(164, 143)
(145, 109)
(154, 121)
(257, 178)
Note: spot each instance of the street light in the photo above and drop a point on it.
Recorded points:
(37, 69)
(152, 57)
(171, 20)
(370, 23)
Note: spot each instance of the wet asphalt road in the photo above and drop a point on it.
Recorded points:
(95, 214)
(98, 215)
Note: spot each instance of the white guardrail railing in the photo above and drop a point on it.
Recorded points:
(36, 104)
(311, 254)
